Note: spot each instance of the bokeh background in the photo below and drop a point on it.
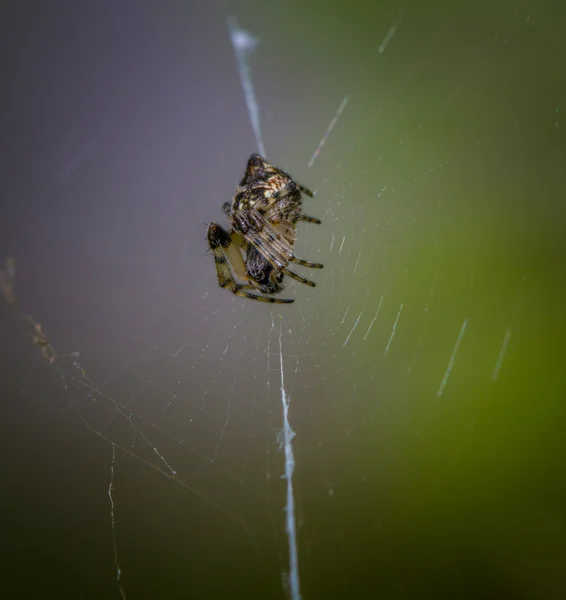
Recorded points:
(429, 435)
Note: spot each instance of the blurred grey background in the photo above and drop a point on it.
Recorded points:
(429, 435)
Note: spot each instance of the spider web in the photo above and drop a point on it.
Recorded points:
(418, 386)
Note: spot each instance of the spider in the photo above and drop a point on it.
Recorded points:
(260, 244)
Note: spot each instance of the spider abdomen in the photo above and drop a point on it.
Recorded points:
(263, 273)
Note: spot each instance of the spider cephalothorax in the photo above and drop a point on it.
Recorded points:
(260, 244)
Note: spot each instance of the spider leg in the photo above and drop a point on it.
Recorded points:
(245, 294)
(307, 263)
(241, 290)
(239, 239)
(305, 190)
(288, 205)
(227, 257)
(271, 245)
(303, 217)
(297, 277)
(278, 251)
(226, 254)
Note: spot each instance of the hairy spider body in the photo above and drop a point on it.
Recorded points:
(263, 217)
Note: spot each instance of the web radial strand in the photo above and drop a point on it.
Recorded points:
(291, 525)
(244, 44)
